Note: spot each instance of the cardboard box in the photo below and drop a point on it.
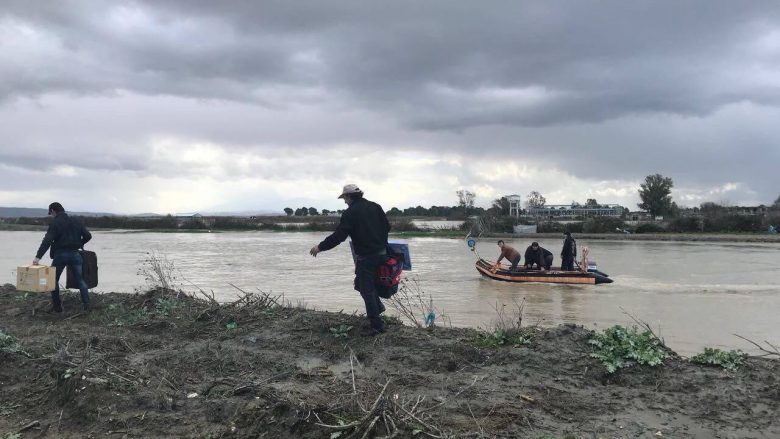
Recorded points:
(35, 278)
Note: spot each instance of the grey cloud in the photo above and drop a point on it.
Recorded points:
(598, 60)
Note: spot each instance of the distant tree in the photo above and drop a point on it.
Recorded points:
(313, 211)
(535, 199)
(710, 209)
(591, 202)
(302, 211)
(655, 194)
(500, 206)
(394, 212)
(288, 211)
(466, 199)
(776, 204)
(325, 212)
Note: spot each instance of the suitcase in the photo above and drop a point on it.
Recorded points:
(89, 271)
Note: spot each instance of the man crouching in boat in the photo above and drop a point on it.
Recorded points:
(540, 256)
(511, 255)
(366, 223)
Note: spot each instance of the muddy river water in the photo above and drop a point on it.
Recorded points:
(697, 294)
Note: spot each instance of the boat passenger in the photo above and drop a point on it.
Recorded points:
(540, 256)
(511, 255)
(569, 252)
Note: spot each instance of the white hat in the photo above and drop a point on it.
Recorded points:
(350, 189)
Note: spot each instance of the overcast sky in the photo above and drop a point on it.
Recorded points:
(181, 106)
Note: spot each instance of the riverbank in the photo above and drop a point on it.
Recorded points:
(154, 365)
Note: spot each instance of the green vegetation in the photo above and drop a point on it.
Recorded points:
(729, 360)
(167, 306)
(340, 331)
(655, 194)
(9, 345)
(7, 409)
(11, 436)
(498, 338)
(122, 315)
(618, 347)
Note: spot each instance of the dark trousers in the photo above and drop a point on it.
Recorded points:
(548, 261)
(567, 264)
(72, 260)
(365, 276)
(515, 262)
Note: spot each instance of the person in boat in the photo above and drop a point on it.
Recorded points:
(366, 223)
(569, 252)
(540, 256)
(511, 255)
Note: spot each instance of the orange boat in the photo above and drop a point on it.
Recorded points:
(550, 276)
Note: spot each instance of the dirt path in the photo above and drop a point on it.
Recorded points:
(151, 366)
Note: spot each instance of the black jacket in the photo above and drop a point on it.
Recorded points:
(569, 250)
(64, 234)
(366, 223)
(536, 257)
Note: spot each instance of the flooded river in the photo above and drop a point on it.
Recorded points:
(698, 294)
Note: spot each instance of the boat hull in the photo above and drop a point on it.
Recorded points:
(550, 276)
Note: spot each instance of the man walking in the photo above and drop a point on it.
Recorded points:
(542, 257)
(568, 253)
(366, 223)
(65, 236)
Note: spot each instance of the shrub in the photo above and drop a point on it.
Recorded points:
(730, 360)
(602, 224)
(733, 223)
(649, 228)
(501, 338)
(685, 225)
(403, 225)
(618, 347)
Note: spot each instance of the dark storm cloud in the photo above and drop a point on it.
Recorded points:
(600, 90)
(432, 65)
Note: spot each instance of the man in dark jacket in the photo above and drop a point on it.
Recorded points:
(542, 257)
(568, 253)
(65, 236)
(366, 223)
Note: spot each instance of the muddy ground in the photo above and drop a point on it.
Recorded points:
(151, 366)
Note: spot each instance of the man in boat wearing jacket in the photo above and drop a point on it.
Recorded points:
(540, 256)
(511, 255)
(366, 223)
(568, 253)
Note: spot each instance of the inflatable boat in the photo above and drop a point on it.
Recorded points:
(555, 276)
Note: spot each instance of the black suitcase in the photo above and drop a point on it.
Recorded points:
(89, 271)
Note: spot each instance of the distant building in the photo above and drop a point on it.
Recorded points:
(515, 207)
(570, 211)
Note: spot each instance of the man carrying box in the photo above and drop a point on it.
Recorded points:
(65, 236)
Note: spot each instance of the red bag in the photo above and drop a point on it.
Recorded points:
(388, 274)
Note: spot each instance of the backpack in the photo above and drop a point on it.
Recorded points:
(388, 275)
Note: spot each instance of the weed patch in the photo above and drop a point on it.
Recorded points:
(499, 338)
(618, 347)
(729, 360)
(340, 331)
(122, 315)
(9, 345)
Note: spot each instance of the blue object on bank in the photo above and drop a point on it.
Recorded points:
(429, 319)
(398, 246)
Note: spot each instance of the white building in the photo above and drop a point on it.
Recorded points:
(515, 206)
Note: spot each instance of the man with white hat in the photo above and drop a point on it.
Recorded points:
(366, 223)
